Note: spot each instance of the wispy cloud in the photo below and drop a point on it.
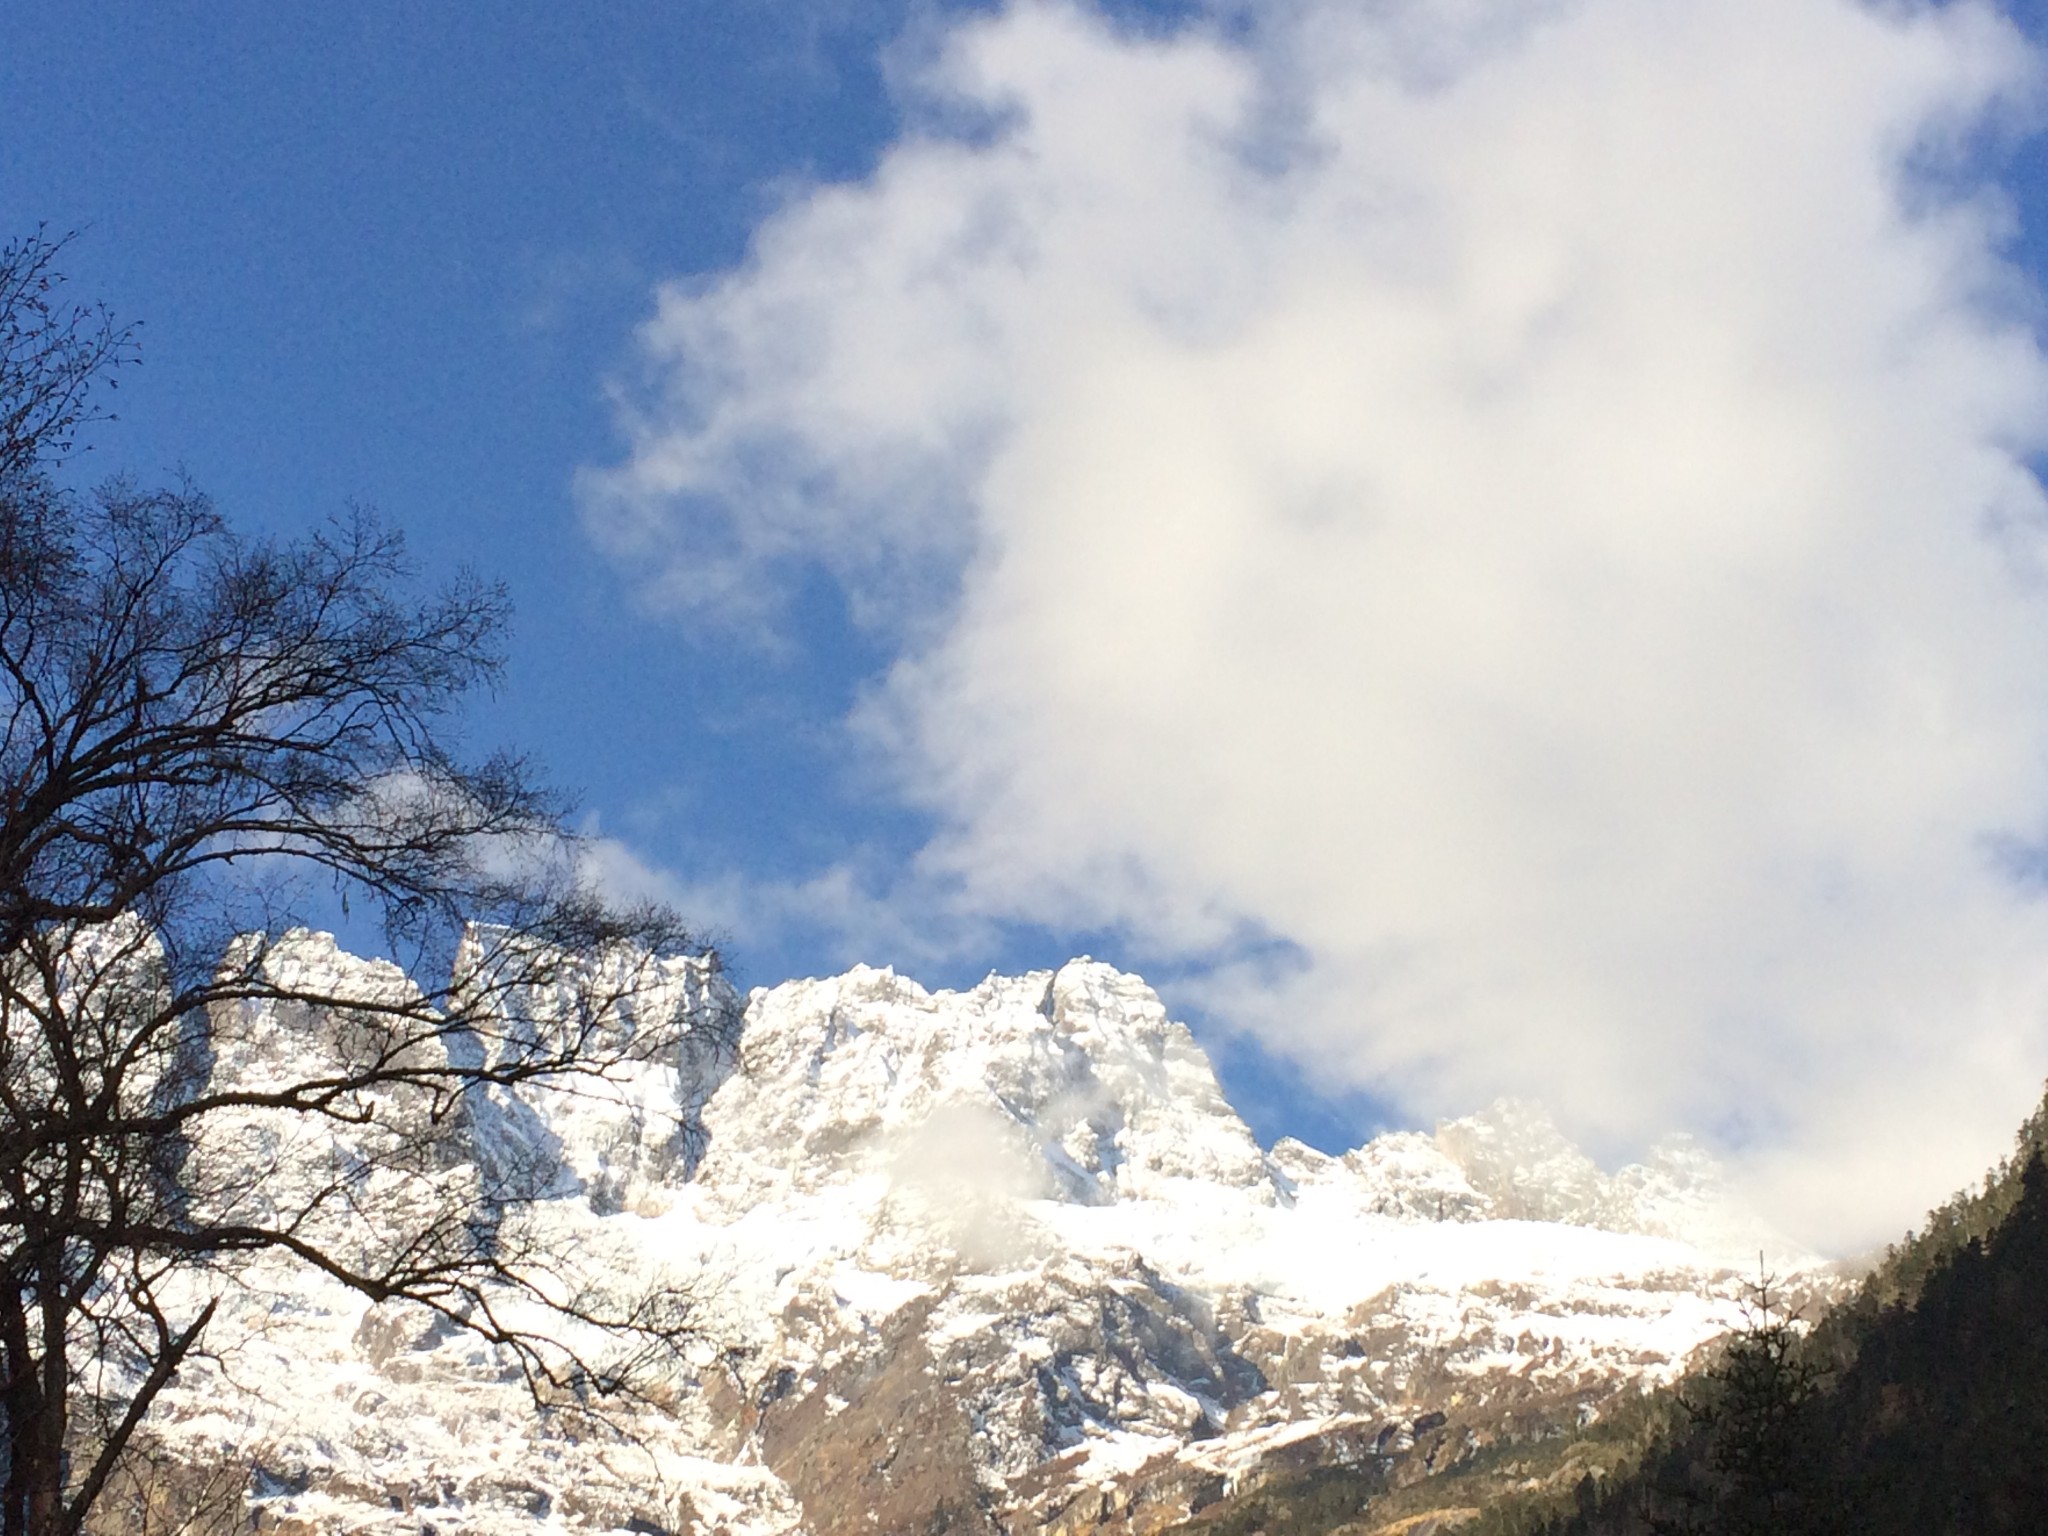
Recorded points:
(1524, 503)
(846, 912)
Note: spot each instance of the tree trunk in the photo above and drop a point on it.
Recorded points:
(46, 1460)
(17, 1407)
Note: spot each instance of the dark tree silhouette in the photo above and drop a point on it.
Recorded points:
(51, 354)
(1755, 1410)
(202, 739)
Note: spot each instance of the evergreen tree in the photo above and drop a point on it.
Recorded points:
(1748, 1469)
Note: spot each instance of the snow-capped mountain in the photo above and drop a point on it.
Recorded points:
(1001, 1259)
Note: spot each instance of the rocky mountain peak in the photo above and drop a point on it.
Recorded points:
(1070, 1084)
(1003, 1258)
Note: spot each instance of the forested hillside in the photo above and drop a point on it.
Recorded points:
(1921, 1405)
(1918, 1404)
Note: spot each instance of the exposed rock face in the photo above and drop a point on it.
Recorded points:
(985, 1261)
(903, 1460)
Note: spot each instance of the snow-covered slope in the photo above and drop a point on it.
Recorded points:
(997, 1259)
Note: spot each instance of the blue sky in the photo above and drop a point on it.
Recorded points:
(388, 256)
(393, 255)
(405, 256)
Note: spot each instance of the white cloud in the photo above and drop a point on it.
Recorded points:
(1523, 501)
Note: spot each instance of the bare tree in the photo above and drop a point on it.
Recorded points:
(51, 354)
(203, 739)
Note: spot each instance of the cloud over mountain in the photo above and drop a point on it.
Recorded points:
(1520, 508)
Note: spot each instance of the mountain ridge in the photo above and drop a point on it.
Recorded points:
(1004, 1257)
